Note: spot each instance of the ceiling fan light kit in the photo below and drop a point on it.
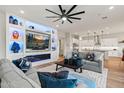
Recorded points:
(64, 18)
(65, 15)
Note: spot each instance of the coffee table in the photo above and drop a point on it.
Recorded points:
(61, 64)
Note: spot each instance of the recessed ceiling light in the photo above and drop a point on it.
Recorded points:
(80, 38)
(22, 12)
(106, 28)
(111, 7)
(88, 31)
(57, 25)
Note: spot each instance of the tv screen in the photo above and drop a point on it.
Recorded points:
(37, 41)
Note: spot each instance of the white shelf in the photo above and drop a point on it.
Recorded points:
(16, 26)
(34, 30)
(38, 28)
(34, 53)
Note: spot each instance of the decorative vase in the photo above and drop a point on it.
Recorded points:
(15, 21)
(11, 19)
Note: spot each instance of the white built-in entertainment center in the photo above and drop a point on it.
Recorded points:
(25, 38)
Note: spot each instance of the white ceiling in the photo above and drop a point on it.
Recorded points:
(91, 20)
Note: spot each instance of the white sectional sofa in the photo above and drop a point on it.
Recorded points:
(12, 77)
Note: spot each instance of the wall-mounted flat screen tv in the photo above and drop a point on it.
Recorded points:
(36, 41)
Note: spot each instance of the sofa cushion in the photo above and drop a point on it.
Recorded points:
(92, 63)
(83, 55)
(97, 55)
(49, 82)
(12, 77)
(32, 74)
(58, 75)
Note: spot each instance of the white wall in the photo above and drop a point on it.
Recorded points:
(61, 34)
(38, 27)
(2, 35)
(68, 45)
(3, 39)
(62, 38)
(66, 39)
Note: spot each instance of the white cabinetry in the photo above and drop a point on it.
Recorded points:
(109, 44)
(112, 45)
(113, 53)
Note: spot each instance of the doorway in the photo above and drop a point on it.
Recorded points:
(61, 47)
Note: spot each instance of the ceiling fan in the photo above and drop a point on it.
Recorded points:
(65, 15)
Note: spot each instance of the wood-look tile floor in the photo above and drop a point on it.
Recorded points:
(115, 67)
(115, 73)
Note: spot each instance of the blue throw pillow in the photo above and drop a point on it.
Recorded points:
(22, 64)
(49, 74)
(17, 62)
(61, 74)
(77, 62)
(58, 75)
(50, 82)
(90, 56)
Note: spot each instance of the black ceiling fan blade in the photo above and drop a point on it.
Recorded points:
(53, 12)
(69, 20)
(62, 21)
(71, 9)
(56, 20)
(77, 13)
(74, 18)
(52, 17)
(60, 7)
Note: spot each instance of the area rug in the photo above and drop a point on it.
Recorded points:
(99, 79)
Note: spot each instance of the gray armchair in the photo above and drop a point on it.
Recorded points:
(96, 65)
